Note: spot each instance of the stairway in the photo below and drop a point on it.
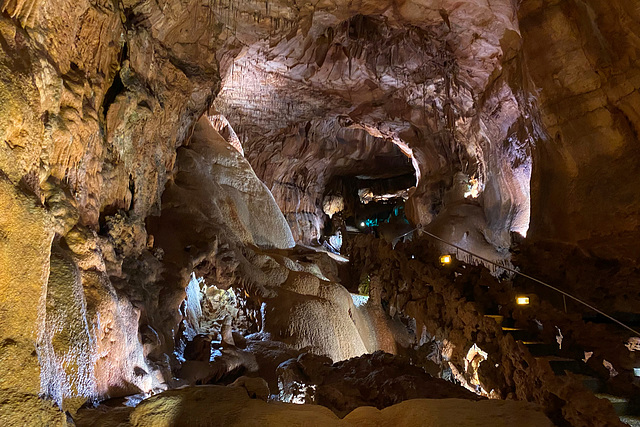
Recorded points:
(561, 365)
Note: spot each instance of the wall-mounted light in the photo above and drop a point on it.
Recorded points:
(636, 372)
(522, 300)
(445, 259)
(362, 224)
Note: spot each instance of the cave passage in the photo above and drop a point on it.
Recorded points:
(241, 212)
(366, 204)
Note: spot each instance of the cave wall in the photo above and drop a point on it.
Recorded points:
(24, 254)
(557, 75)
(298, 165)
(219, 221)
(98, 96)
(454, 319)
(443, 82)
(583, 59)
(95, 99)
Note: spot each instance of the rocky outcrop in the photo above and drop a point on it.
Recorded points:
(213, 206)
(440, 82)
(438, 300)
(115, 190)
(95, 99)
(219, 221)
(24, 254)
(299, 165)
(583, 58)
(379, 380)
(234, 407)
(213, 181)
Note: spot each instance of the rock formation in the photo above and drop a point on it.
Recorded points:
(589, 109)
(235, 408)
(178, 177)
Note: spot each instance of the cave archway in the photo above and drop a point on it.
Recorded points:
(364, 81)
(120, 199)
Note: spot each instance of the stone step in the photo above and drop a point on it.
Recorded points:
(562, 365)
(501, 320)
(518, 334)
(498, 318)
(540, 349)
(592, 383)
(620, 404)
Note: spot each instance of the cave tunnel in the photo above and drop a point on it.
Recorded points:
(368, 199)
(335, 213)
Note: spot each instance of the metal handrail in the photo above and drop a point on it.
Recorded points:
(586, 304)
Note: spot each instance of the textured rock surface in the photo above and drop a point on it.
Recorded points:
(26, 244)
(304, 311)
(213, 207)
(444, 82)
(216, 182)
(188, 407)
(583, 57)
(65, 347)
(609, 284)
(378, 379)
(444, 315)
(104, 218)
(93, 106)
(24, 256)
(298, 166)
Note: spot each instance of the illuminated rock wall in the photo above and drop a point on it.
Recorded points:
(583, 58)
(98, 100)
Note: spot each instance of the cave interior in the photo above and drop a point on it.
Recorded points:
(349, 213)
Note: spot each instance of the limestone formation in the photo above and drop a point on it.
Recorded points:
(196, 192)
(379, 380)
(188, 406)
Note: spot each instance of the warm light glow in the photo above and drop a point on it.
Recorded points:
(475, 356)
(445, 259)
(522, 300)
(366, 195)
(473, 190)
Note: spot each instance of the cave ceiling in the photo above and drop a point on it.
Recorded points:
(441, 80)
(158, 154)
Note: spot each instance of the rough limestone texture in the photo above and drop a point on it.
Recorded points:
(379, 379)
(233, 407)
(321, 316)
(235, 197)
(583, 58)
(213, 205)
(92, 107)
(440, 301)
(310, 312)
(213, 208)
(66, 344)
(25, 247)
(299, 166)
(97, 96)
(443, 81)
(303, 311)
